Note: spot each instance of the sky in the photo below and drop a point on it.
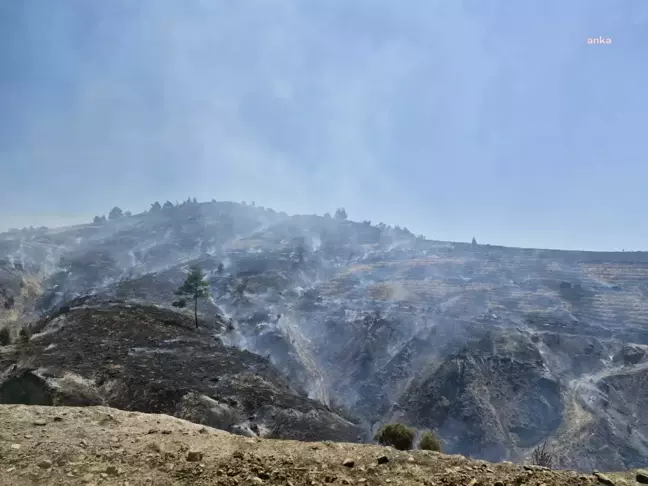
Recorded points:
(486, 118)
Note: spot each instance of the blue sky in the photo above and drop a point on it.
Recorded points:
(482, 118)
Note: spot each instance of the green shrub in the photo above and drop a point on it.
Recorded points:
(399, 436)
(429, 442)
(5, 336)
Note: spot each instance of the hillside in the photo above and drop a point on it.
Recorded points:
(498, 349)
(149, 359)
(99, 445)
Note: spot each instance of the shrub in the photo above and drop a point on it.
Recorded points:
(429, 442)
(5, 336)
(399, 436)
(542, 456)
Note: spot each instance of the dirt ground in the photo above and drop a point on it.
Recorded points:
(105, 446)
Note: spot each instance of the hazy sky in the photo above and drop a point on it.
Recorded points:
(484, 118)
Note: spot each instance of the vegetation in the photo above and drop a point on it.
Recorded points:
(168, 205)
(99, 219)
(5, 336)
(115, 213)
(542, 456)
(429, 442)
(341, 214)
(194, 287)
(399, 436)
(155, 207)
(25, 335)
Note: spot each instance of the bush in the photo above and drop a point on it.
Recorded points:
(5, 336)
(429, 442)
(542, 456)
(399, 436)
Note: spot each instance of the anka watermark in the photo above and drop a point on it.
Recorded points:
(599, 40)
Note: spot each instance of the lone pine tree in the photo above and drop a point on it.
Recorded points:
(194, 287)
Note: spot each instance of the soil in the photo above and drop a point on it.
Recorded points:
(106, 446)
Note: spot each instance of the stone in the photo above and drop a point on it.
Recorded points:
(112, 470)
(472, 482)
(348, 462)
(603, 478)
(45, 464)
(155, 447)
(383, 459)
(642, 477)
(498, 483)
(256, 480)
(194, 456)
(15, 446)
(39, 422)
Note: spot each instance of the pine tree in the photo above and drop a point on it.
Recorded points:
(155, 207)
(341, 214)
(194, 287)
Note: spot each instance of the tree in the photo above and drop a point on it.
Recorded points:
(474, 241)
(168, 205)
(194, 287)
(398, 436)
(341, 214)
(155, 207)
(221, 268)
(98, 220)
(115, 213)
(5, 336)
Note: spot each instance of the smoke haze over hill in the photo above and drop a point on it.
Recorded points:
(456, 119)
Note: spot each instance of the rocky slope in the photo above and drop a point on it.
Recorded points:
(499, 349)
(99, 445)
(149, 359)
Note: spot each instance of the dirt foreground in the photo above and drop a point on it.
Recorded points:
(105, 446)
